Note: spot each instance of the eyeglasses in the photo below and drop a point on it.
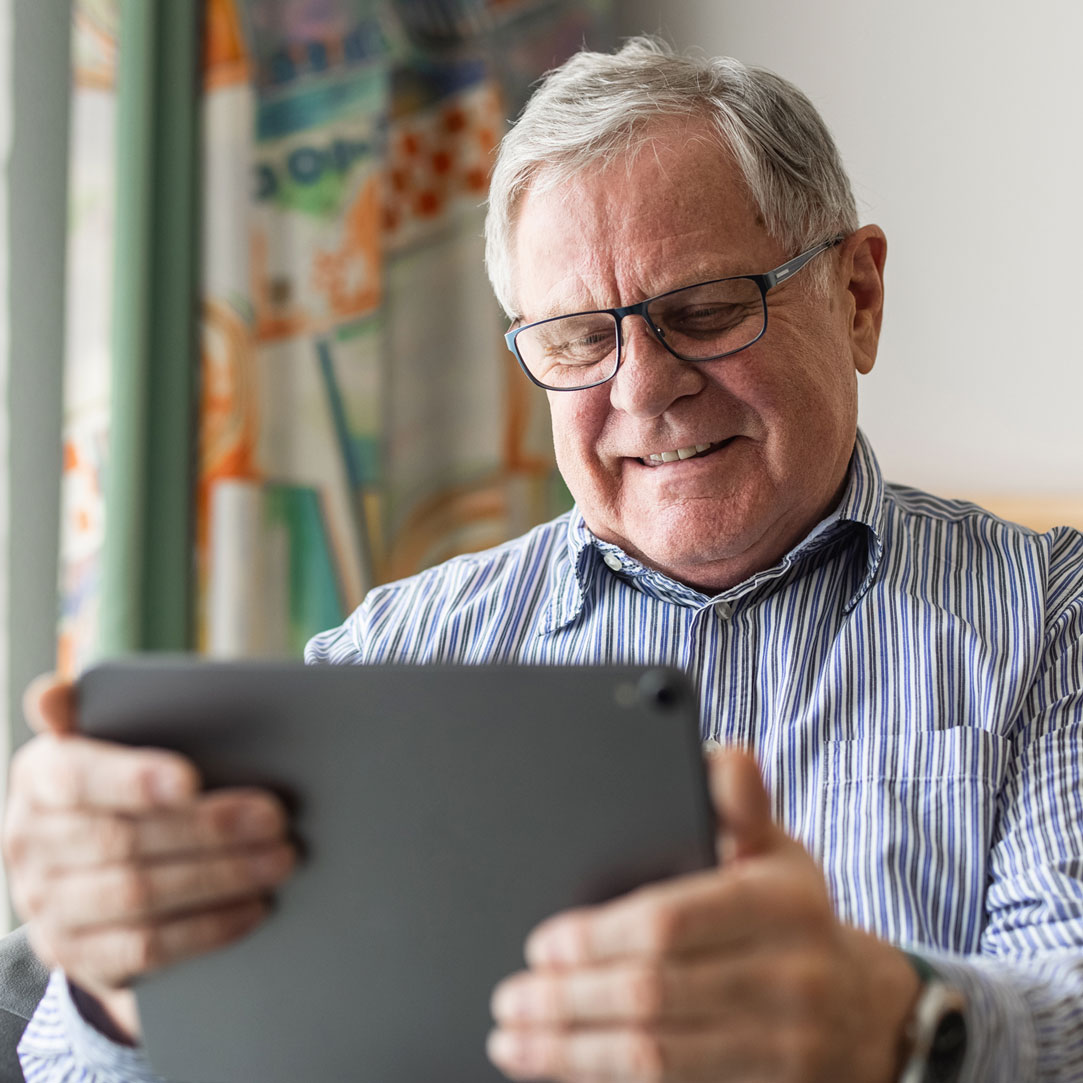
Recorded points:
(695, 323)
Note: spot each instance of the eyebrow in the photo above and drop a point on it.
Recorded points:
(707, 276)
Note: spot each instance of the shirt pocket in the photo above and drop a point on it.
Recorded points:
(907, 821)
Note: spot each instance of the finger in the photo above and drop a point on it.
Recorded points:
(79, 772)
(112, 957)
(742, 805)
(630, 1055)
(49, 704)
(68, 839)
(639, 993)
(671, 917)
(776, 899)
(126, 894)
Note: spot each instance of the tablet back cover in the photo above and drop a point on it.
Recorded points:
(444, 811)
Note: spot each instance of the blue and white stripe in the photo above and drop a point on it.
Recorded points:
(910, 678)
(59, 1047)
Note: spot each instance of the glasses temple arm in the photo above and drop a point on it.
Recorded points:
(791, 267)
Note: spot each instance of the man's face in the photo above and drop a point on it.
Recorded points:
(780, 417)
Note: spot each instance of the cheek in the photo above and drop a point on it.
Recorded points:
(802, 389)
(577, 419)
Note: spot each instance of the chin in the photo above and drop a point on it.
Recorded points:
(681, 554)
(698, 549)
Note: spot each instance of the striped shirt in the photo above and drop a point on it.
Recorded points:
(910, 678)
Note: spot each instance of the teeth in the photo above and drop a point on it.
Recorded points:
(680, 453)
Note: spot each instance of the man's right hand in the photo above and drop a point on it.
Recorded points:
(117, 862)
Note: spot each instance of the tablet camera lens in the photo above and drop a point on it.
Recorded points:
(660, 689)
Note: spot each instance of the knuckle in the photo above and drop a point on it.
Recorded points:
(116, 838)
(743, 893)
(647, 994)
(134, 891)
(647, 1057)
(554, 997)
(142, 950)
(663, 928)
(213, 878)
(811, 981)
(65, 781)
(559, 1061)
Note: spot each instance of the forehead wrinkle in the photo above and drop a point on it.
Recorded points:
(644, 268)
(638, 228)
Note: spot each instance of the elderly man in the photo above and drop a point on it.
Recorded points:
(901, 895)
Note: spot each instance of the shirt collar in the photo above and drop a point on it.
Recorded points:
(861, 506)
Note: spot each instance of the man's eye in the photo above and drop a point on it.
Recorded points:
(587, 342)
(709, 317)
(585, 349)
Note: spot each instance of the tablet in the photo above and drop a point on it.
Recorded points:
(443, 810)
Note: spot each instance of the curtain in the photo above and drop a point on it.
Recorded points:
(345, 412)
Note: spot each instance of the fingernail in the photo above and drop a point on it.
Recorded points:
(552, 946)
(168, 787)
(513, 1051)
(502, 1048)
(513, 1000)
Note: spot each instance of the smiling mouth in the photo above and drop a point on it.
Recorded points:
(693, 451)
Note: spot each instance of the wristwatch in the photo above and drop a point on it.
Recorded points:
(936, 1031)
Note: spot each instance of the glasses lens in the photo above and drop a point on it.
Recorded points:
(715, 318)
(571, 351)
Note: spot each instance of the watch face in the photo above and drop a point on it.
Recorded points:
(937, 1033)
(948, 1047)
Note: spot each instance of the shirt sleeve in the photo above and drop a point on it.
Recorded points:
(58, 1045)
(342, 645)
(1025, 990)
(1023, 1021)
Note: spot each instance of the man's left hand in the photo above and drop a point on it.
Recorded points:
(739, 973)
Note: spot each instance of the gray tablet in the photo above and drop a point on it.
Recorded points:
(444, 811)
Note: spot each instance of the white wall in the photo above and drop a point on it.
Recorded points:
(961, 123)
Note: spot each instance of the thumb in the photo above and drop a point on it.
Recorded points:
(49, 705)
(741, 803)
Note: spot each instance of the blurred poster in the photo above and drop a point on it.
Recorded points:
(292, 287)
(352, 352)
(467, 446)
(359, 418)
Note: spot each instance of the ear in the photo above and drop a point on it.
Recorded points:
(861, 267)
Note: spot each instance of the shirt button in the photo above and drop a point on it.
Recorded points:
(613, 562)
(723, 610)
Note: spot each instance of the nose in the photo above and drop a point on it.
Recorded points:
(650, 379)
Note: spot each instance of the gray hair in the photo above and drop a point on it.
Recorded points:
(598, 107)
